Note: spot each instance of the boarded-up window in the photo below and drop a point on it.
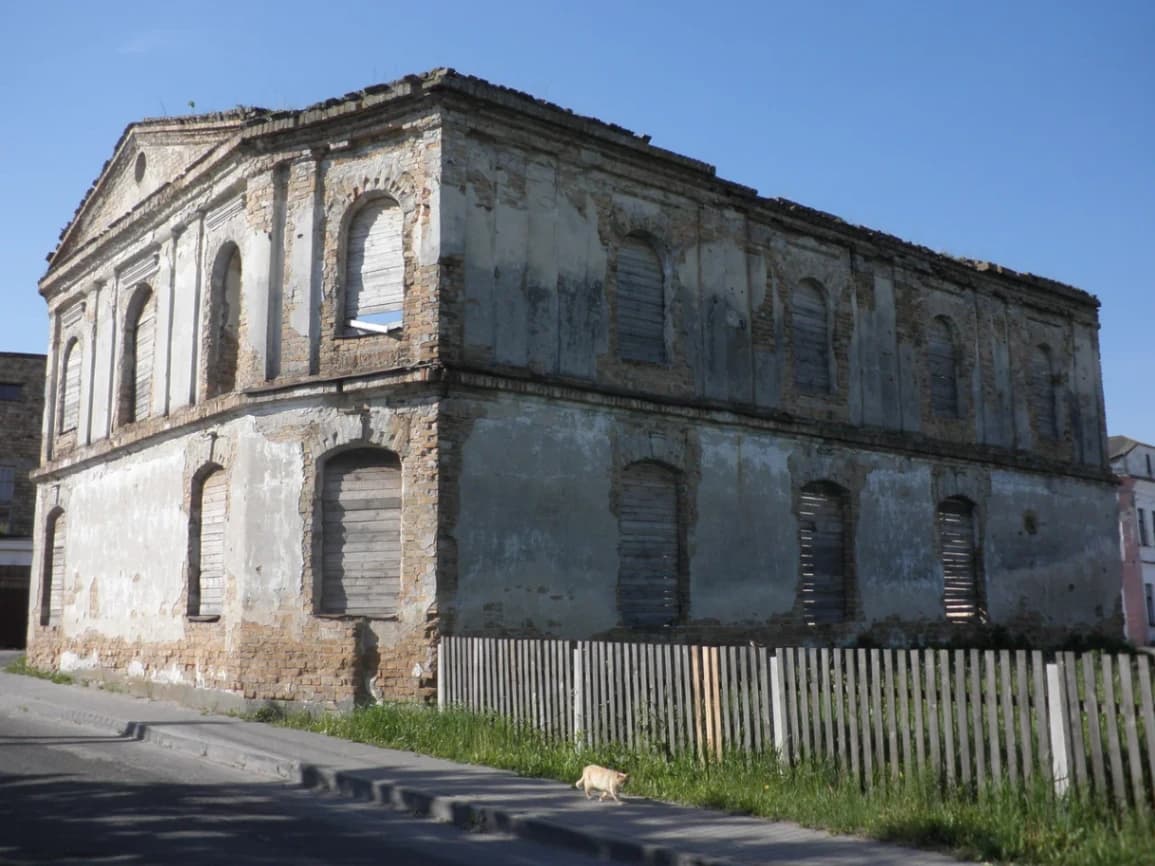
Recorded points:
(943, 368)
(962, 598)
(226, 317)
(70, 388)
(1043, 393)
(361, 533)
(811, 339)
(641, 301)
(649, 584)
(141, 345)
(375, 264)
(52, 595)
(207, 586)
(825, 584)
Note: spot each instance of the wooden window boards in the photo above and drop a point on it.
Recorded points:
(641, 303)
(361, 533)
(649, 584)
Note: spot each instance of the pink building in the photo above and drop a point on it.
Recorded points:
(1134, 463)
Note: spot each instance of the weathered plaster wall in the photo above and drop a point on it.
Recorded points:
(532, 225)
(536, 532)
(126, 582)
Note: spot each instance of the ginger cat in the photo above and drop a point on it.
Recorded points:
(595, 778)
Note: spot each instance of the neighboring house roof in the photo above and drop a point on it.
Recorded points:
(1118, 446)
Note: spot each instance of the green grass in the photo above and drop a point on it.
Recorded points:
(19, 665)
(1002, 825)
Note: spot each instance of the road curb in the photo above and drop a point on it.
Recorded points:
(477, 818)
(461, 813)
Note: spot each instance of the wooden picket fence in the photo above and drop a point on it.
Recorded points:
(968, 717)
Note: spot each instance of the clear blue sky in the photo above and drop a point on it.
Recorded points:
(1020, 132)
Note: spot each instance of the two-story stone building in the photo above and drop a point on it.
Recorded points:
(440, 358)
(21, 414)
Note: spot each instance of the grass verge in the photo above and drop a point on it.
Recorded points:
(19, 665)
(1001, 825)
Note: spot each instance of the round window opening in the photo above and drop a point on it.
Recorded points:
(138, 169)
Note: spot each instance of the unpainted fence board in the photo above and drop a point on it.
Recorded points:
(1039, 704)
(1076, 753)
(1008, 715)
(876, 710)
(992, 704)
(725, 696)
(749, 690)
(815, 699)
(948, 749)
(1131, 732)
(976, 702)
(787, 656)
(1112, 720)
(804, 713)
(864, 715)
(891, 724)
(932, 714)
(852, 713)
(900, 658)
(1023, 700)
(916, 698)
(1094, 733)
(961, 720)
(827, 721)
(1147, 712)
(764, 729)
(839, 697)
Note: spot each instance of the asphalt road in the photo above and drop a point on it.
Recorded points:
(69, 795)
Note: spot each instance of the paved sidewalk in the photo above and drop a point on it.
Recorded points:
(640, 831)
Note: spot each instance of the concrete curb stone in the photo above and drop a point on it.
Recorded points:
(421, 803)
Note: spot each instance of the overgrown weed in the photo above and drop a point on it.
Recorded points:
(996, 824)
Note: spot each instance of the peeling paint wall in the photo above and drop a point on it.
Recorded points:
(537, 535)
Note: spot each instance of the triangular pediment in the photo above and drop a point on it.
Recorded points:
(149, 156)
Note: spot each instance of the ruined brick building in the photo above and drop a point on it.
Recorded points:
(440, 358)
(21, 413)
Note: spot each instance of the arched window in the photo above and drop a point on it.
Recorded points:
(641, 303)
(375, 267)
(52, 591)
(811, 339)
(70, 387)
(826, 585)
(942, 364)
(650, 591)
(361, 533)
(206, 588)
(958, 549)
(1043, 392)
(139, 352)
(224, 330)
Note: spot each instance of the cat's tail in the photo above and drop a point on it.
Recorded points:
(578, 783)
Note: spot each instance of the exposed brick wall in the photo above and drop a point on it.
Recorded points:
(20, 425)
